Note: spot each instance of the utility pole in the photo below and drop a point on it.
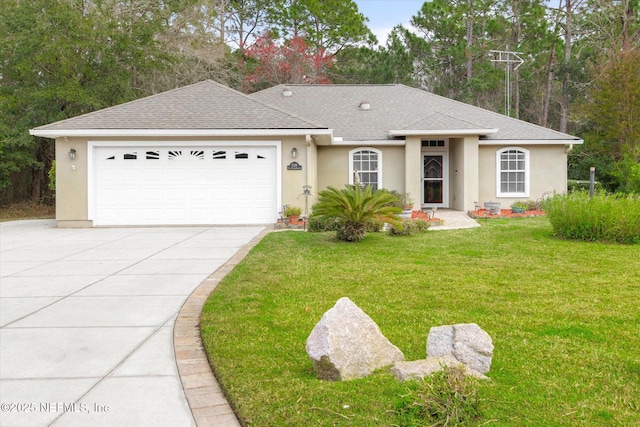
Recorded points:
(508, 58)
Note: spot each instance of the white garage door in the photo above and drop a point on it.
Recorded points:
(185, 185)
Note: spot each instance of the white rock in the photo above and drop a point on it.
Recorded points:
(419, 369)
(467, 342)
(347, 344)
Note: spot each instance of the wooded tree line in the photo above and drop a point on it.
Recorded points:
(62, 58)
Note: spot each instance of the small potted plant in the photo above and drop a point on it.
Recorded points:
(293, 213)
(407, 206)
(519, 207)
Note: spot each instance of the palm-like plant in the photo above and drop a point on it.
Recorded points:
(353, 208)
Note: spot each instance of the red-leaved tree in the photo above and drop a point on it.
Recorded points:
(293, 62)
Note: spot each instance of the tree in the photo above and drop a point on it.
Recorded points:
(328, 25)
(392, 63)
(613, 106)
(290, 62)
(247, 18)
(59, 59)
(612, 125)
(354, 208)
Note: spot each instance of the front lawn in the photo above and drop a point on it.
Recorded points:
(564, 317)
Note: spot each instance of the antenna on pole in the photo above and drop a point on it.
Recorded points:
(508, 58)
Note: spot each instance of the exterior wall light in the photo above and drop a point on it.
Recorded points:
(294, 152)
(72, 154)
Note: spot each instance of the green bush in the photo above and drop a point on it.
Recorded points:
(321, 224)
(409, 227)
(605, 217)
(533, 205)
(356, 210)
(448, 397)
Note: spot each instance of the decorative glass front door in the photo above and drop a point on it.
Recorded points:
(433, 179)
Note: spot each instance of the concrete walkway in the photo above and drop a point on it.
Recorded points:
(454, 220)
(87, 320)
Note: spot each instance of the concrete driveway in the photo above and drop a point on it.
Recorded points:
(87, 315)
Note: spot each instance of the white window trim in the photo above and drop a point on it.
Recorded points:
(527, 170)
(351, 170)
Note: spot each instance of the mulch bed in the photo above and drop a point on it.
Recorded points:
(504, 213)
(424, 217)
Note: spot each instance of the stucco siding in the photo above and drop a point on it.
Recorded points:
(333, 166)
(548, 172)
(71, 182)
(413, 170)
(74, 178)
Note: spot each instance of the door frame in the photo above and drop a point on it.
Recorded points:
(444, 152)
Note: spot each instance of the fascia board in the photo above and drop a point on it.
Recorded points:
(530, 141)
(48, 133)
(388, 142)
(445, 132)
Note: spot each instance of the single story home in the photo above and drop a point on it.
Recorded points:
(207, 154)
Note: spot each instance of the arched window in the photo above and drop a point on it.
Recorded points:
(512, 174)
(368, 163)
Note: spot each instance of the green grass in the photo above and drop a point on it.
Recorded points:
(564, 317)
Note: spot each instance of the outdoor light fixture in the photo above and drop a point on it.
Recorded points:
(72, 154)
(294, 152)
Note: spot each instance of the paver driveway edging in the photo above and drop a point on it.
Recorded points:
(208, 404)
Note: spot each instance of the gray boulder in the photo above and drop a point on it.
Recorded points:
(419, 369)
(347, 344)
(467, 342)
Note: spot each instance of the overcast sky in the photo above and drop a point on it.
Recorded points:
(385, 14)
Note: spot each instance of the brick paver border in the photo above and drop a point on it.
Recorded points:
(208, 404)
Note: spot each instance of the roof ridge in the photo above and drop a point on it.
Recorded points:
(449, 116)
(484, 110)
(326, 85)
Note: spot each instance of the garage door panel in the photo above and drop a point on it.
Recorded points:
(185, 185)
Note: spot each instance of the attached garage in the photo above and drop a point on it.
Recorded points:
(185, 184)
(203, 154)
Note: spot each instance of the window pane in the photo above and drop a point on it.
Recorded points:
(366, 163)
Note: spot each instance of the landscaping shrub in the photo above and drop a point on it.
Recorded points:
(321, 224)
(409, 227)
(356, 210)
(605, 217)
(448, 397)
(533, 205)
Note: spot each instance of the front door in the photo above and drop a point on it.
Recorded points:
(435, 186)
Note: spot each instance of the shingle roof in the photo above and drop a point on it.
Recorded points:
(204, 105)
(440, 121)
(396, 107)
